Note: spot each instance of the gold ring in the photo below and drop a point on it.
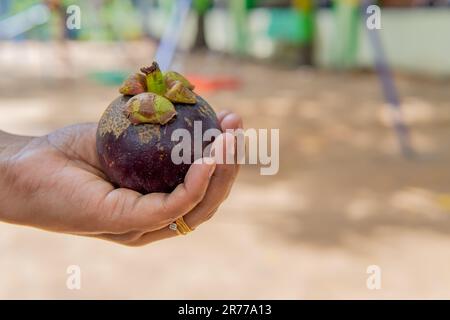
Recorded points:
(180, 226)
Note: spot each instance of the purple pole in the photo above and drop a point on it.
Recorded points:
(389, 88)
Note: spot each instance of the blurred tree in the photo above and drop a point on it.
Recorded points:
(201, 7)
(347, 18)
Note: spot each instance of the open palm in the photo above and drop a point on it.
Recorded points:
(56, 183)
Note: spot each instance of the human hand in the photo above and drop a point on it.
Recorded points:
(55, 183)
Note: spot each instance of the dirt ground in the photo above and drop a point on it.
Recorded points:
(344, 198)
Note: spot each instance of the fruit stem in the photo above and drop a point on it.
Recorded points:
(155, 79)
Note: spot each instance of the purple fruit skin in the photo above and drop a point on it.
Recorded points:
(145, 165)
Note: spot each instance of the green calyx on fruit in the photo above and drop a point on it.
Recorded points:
(172, 76)
(179, 93)
(170, 84)
(154, 94)
(155, 79)
(133, 85)
(149, 107)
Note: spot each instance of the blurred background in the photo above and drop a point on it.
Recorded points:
(364, 119)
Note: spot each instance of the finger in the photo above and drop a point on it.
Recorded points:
(87, 144)
(153, 211)
(145, 238)
(222, 180)
(219, 187)
(77, 142)
(222, 115)
(136, 238)
(183, 199)
(231, 121)
(153, 236)
(127, 238)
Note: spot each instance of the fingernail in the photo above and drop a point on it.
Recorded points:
(223, 113)
(229, 116)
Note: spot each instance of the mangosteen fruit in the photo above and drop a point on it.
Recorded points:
(134, 135)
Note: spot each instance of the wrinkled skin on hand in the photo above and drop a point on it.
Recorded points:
(55, 183)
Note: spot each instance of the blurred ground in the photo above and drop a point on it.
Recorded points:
(344, 198)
